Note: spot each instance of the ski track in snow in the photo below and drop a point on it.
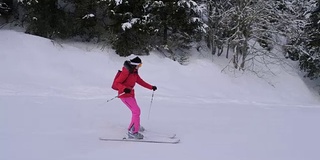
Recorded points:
(90, 93)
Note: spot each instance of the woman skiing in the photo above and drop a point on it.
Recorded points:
(125, 83)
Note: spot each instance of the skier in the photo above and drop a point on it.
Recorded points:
(125, 83)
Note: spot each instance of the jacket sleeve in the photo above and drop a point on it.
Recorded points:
(122, 77)
(141, 82)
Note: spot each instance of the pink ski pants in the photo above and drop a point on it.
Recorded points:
(135, 110)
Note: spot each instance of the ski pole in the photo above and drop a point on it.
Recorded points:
(115, 97)
(150, 104)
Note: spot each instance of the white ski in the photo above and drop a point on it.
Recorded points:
(150, 136)
(146, 140)
(159, 134)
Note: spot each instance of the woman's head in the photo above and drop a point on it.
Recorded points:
(136, 62)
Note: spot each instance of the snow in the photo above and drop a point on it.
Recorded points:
(53, 107)
(128, 25)
(87, 16)
(118, 2)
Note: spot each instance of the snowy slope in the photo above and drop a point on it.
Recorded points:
(53, 107)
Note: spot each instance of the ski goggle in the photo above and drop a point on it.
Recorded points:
(136, 64)
(139, 65)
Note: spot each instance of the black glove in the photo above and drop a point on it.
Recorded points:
(127, 90)
(154, 88)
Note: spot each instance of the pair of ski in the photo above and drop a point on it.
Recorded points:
(149, 137)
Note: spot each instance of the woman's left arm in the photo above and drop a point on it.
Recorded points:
(141, 82)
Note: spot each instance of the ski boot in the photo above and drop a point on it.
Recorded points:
(136, 135)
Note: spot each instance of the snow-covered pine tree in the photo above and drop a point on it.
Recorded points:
(44, 18)
(6, 7)
(144, 25)
(127, 22)
(84, 20)
(292, 18)
(175, 25)
(310, 59)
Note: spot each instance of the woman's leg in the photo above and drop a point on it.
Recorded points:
(131, 103)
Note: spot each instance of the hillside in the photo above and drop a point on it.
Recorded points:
(53, 107)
